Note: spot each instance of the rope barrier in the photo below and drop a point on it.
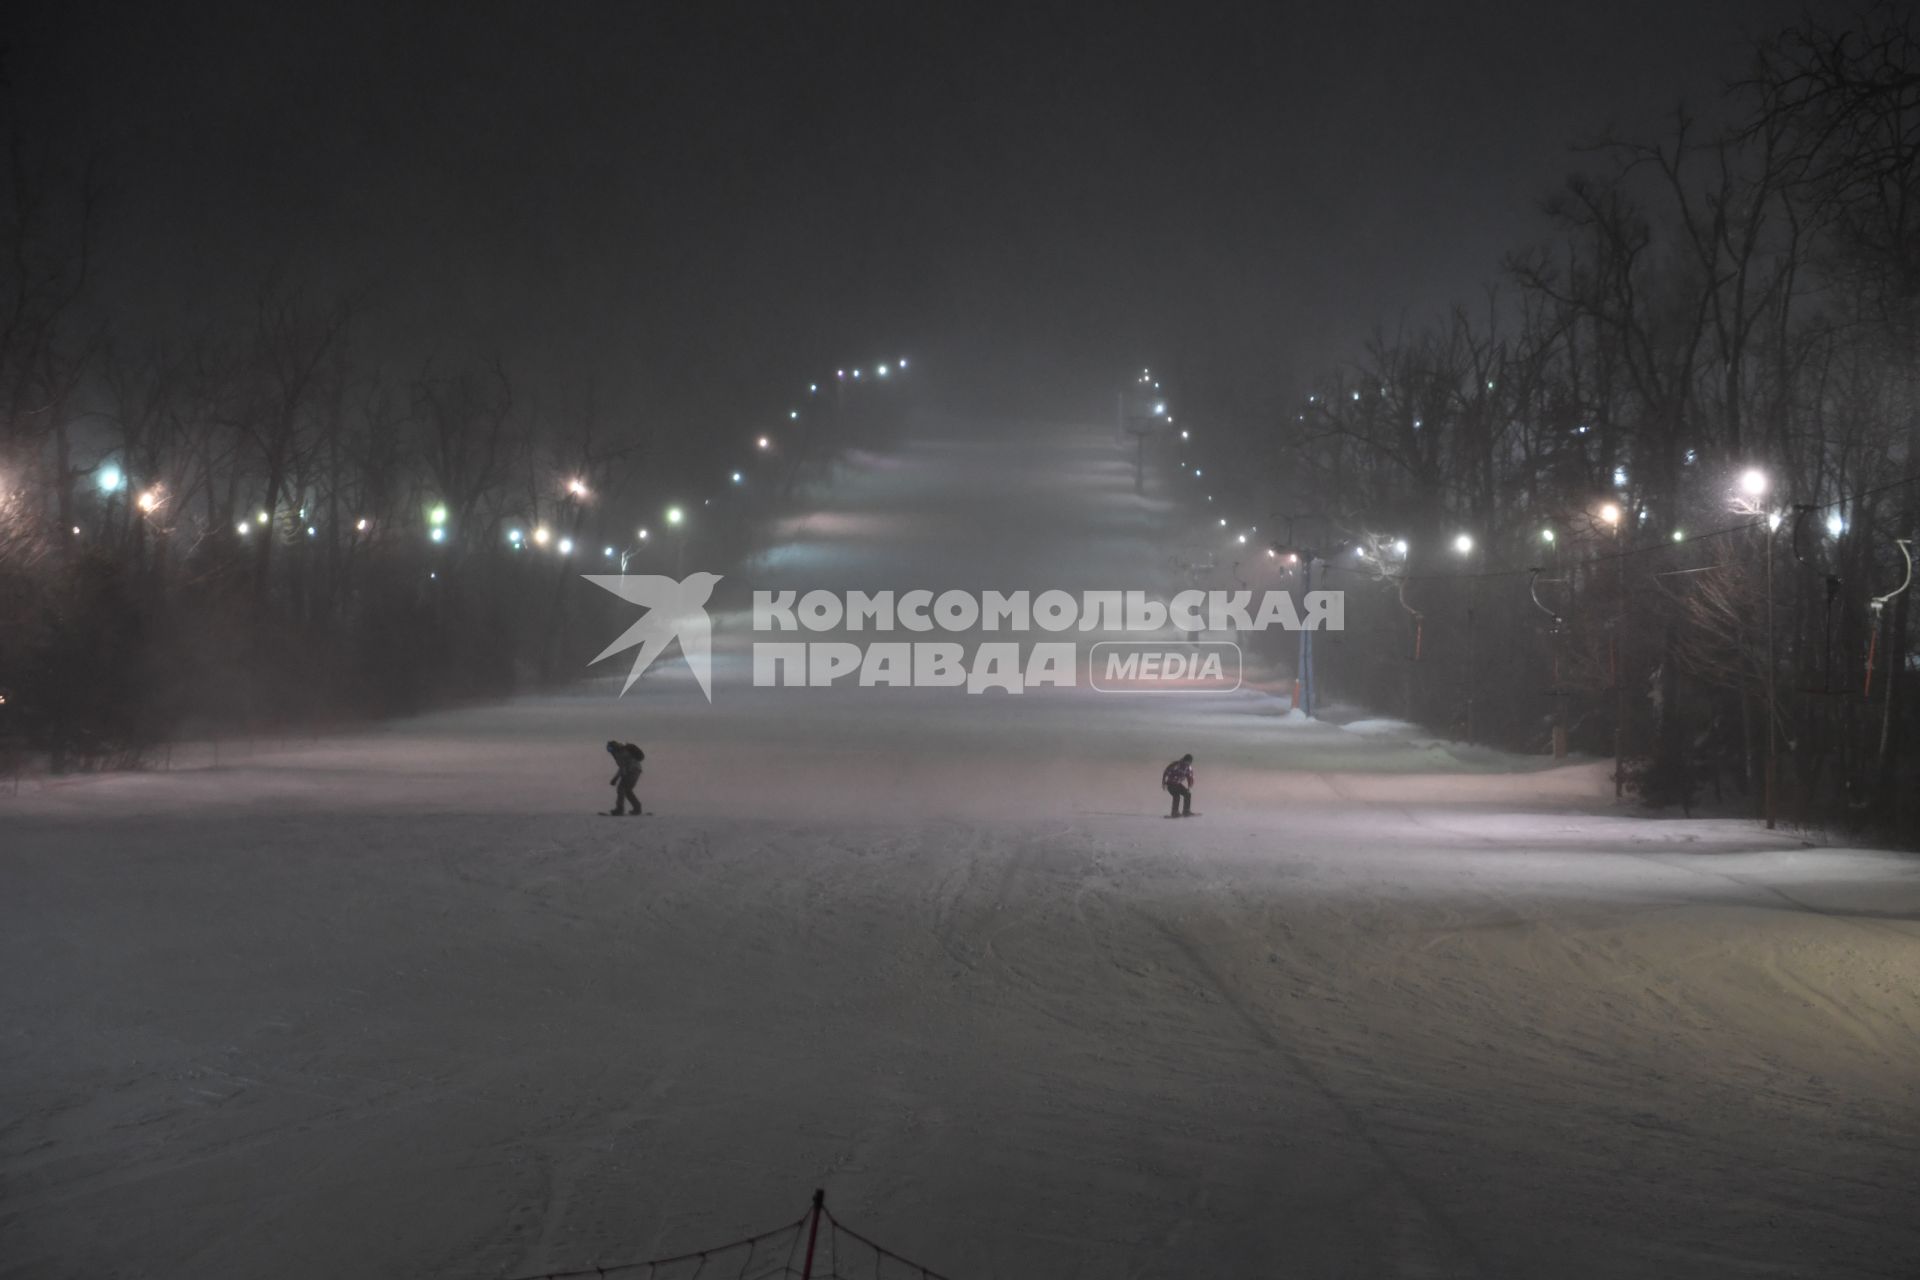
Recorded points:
(818, 1263)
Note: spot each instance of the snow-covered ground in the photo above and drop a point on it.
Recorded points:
(403, 1004)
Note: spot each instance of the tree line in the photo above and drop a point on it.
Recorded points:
(1653, 497)
(266, 523)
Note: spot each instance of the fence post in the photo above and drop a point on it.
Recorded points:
(813, 1233)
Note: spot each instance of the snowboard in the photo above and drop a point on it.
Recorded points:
(606, 813)
(1194, 814)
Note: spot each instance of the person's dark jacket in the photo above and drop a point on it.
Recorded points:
(626, 761)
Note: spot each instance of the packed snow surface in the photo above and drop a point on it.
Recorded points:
(405, 1004)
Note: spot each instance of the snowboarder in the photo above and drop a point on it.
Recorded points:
(626, 762)
(1177, 781)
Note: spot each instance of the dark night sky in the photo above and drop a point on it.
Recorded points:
(698, 206)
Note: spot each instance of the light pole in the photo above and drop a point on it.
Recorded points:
(1610, 513)
(1770, 802)
(1753, 484)
(1306, 636)
(677, 521)
(1463, 545)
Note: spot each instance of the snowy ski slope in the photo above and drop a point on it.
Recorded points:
(403, 1004)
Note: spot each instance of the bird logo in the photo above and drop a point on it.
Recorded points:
(673, 610)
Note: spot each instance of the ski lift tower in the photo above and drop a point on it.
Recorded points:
(1141, 414)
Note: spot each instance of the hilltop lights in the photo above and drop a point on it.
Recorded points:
(515, 537)
(793, 415)
(541, 536)
(110, 479)
(149, 501)
(566, 546)
(1546, 536)
(643, 535)
(1463, 544)
(1773, 521)
(1753, 482)
(262, 517)
(438, 515)
(675, 515)
(362, 523)
(764, 443)
(1183, 433)
(578, 488)
(1835, 525)
(439, 533)
(738, 478)
(882, 371)
(1610, 513)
